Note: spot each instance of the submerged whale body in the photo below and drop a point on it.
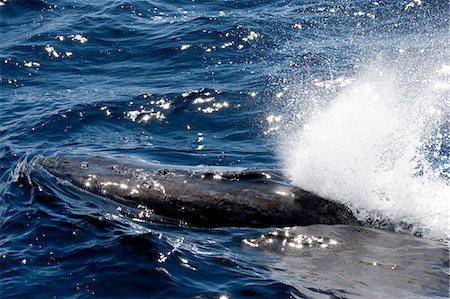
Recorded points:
(206, 199)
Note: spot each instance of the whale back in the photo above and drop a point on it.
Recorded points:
(199, 196)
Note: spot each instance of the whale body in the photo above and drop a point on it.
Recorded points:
(197, 196)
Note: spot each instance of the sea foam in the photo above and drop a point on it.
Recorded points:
(381, 146)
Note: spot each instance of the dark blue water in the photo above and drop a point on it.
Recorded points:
(213, 83)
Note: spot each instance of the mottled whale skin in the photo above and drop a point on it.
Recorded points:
(211, 198)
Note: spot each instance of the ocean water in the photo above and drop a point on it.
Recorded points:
(350, 99)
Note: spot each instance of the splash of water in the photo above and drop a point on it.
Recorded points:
(382, 147)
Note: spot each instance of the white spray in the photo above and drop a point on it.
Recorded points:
(379, 146)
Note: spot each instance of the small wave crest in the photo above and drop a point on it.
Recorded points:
(381, 146)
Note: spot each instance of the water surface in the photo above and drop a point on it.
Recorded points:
(349, 98)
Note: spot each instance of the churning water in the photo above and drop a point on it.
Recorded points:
(381, 143)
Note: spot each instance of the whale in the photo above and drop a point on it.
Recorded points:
(197, 196)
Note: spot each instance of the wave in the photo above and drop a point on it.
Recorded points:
(381, 145)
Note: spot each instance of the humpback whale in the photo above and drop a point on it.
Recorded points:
(199, 196)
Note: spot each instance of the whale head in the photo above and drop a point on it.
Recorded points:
(199, 196)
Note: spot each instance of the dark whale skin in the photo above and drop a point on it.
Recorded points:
(211, 198)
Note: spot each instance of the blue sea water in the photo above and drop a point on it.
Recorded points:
(349, 98)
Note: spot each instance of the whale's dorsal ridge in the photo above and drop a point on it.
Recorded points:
(206, 198)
